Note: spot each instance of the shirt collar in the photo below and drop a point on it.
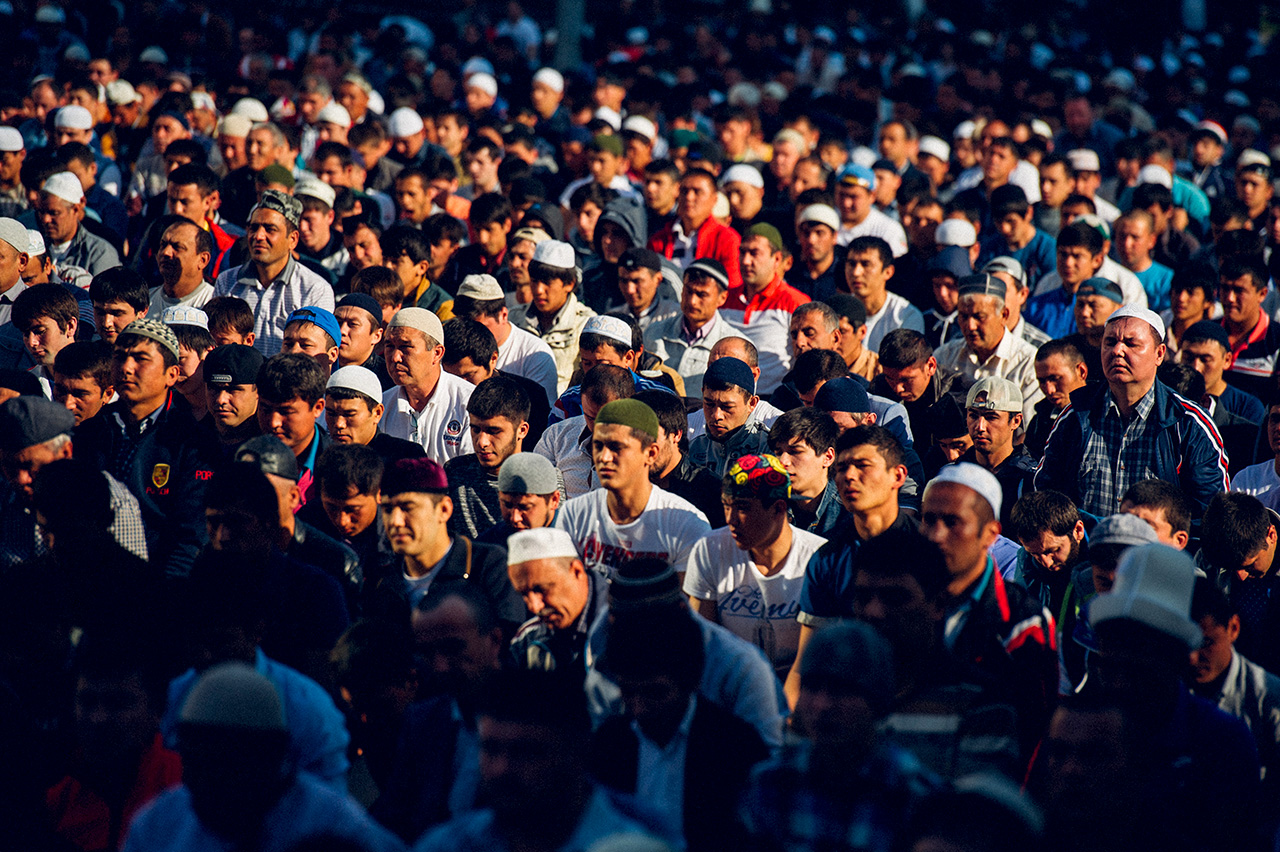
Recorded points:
(701, 333)
(681, 735)
(249, 274)
(1141, 410)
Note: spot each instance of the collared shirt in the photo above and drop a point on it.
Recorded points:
(1256, 357)
(6, 301)
(1013, 359)
(1030, 333)
(958, 614)
(295, 287)
(442, 427)
(687, 353)
(765, 319)
(1119, 453)
(660, 771)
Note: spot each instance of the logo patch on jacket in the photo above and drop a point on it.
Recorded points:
(160, 475)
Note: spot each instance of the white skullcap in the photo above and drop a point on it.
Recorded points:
(935, 147)
(641, 125)
(956, 232)
(542, 543)
(742, 173)
(405, 122)
(486, 83)
(50, 14)
(235, 126)
(1041, 128)
(722, 208)
(185, 315)
(611, 327)
(743, 94)
(422, 319)
(964, 130)
(334, 113)
(823, 214)
(482, 288)
(64, 185)
(14, 233)
(377, 105)
(35, 243)
(1248, 157)
(1155, 174)
(551, 78)
(234, 695)
(1096, 222)
(477, 65)
(154, 54)
(204, 101)
(774, 91)
(1151, 318)
(121, 92)
(252, 109)
(10, 139)
(609, 115)
(317, 189)
(73, 117)
(1084, 160)
(362, 380)
(555, 253)
(979, 479)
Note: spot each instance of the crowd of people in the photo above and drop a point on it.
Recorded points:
(771, 429)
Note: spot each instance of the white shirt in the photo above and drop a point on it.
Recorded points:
(877, 224)
(563, 445)
(1130, 286)
(896, 312)
(760, 609)
(1024, 175)
(619, 184)
(197, 298)
(442, 428)
(660, 771)
(667, 529)
(527, 355)
(1014, 359)
(1260, 480)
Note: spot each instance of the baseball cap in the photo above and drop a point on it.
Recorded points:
(1009, 266)
(271, 455)
(1101, 287)
(855, 174)
(318, 316)
(232, 364)
(1154, 585)
(994, 393)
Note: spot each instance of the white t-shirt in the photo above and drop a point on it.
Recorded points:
(1260, 480)
(896, 312)
(667, 529)
(442, 428)
(197, 298)
(759, 609)
(527, 355)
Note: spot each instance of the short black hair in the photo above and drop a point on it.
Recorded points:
(1209, 601)
(672, 415)
(1081, 234)
(1234, 528)
(470, 308)
(203, 178)
(903, 348)
(889, 447)
(489, 208)
(466, 338)
(1060, 346)
(897, 552)
(405, 240)
(85, 358)
(607, 382)
(591, 341)
(286, 376)
(229, 313)
(816, 366)
(1239, 266)
(1009, 199)
(1147, 194)
(816, 428)
(441, 227)
(193, 337)
(1165, 496)
(120, 284)
(862, 245)
(499, 396)
(1043, 511)
(346, 466)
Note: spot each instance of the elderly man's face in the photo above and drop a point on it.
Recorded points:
(981, 320)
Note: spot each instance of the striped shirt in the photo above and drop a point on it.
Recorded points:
(765, 319)
(295, 287)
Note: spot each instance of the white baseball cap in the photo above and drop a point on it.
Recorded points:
(64, 185)
(353, 377)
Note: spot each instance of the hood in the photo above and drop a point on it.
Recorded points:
(628, 214)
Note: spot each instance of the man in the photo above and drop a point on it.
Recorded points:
(988, 348)
(804, 442)
(409, 253)
(661, 190)
(1206, 347)
(639, 278)
(1052, 535)
(554, 314)
(1238, 547)
(1014, 275)
(1057, 182)
(271, 281)
(762, 306)
(568, 443)
(231, 390)
(870, 473)
(695, 234)
(855, 201)
(360, 321)
(1131, 429)
(1163, 507)
(752, 570)
(481, 298)
(185, 252)
(994, 415)
(193, 192)
(1262, 480)
(673, 470)
(13, 197)
(530, 490)
(684, 341)
(350, 477)
(960, 513)
(911, 376)
(628, 515)
(471, 354)
(1254, 339)
(1253, 186)
(81, 378)
(728, 401)
(491, 221)
(1016, 236)
(239, 782)
(15, 245)
(821, 257)
(60, 213)
(149, 441)
(318, 240)
(1096, 299)
(564, 599)
(867, 269)
(415, 507)
(47, 317)
(427, 406)
(1082, 254)
(499, 414)
(313, 332)
(1061, 370)
(119, 297)
(353, 412)
(1135, 241)
(290, 405)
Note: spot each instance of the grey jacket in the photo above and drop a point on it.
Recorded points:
(90, 253)
(1252, 694)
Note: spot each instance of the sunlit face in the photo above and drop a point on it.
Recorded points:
(697, 199)
(1076, 264)
(1130, 352)
(186, 200)
(908, 384)
(1055, 184)
(414, 522)
(1208, 358)
(58, 219)
(165, 129)
(352, 421)
(992, 431)
(950, 518)
(496, 439)
(293, 421)
(44, 339)
(853, 203)
(413, 199)
(177, 258)
(555, 592)
(1241, 300)
(307, 338)
(619, 456)
(270, 237)
(549, 295)
(82, 395)
(1054, 552)
(817, 242)
(700, 298)
(1058, 378)
(411, 362)
(362, 244)
(139, 374)
(231, 405)
(809, 331)
(638, 287)
(359, 334)
(865, 481)
(806, 467)
(758, 261)
(519, 254)
(866, 275)
(1091, 313)
(982, 321)
(660, 192)
(112, 318)
(726, 410)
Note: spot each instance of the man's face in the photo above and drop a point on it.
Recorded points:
(639, 287)
(364, 248)
(177, 257)
(953, 448)
(58, 219)
(186, 200)
(139, 373)
(1154, 517)
(759, 261)
(260, 149)
(1081, 748)
(44, 339)
(414, 522)
(817, 242)
(1011, 226)
(725, 410)
(910, 383)
(809, 331)
(1054, 552)
(1241, 300)
(410, 361)
(894, 145)
(1058, 378)
(293, 421)
(700, 298)
(524, 768)
(1213, 657)
(1134, 242)
(413, 201)
(1076, 264)
(469, 371)
(552, 590)
(496, 439)
(270, 237)
(752, 524)
(866, 275)
(1091, 313)
(352, 421)
(807, 175)
(11, 166)
(603, 166)
(82, 395)
(493, 237)
(166, 129)
(330, 170)
(992, 431)
(1206, 357)
(949, 518)
(310, 104)
(315, 228)
(112, 317)
(806, 467)
(550, 295)
(528, 511)
(359, 336)
(745, 200)
(233, 150)
(618, 455)
(231, 405)
(660, 192)
(853, 203)
(352, 513)
(998, 163)
(1055, 185)
(1130, 353)
(21, 468)
(307, 338)
(785, 157)
(483, 168)
(450, 134)
(1254, 191)
(697, 199)
(606, 353)
(865, 481)
(451, 648)
(981, 320)
(519, 254)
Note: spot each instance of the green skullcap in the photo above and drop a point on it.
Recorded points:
(630, 412)
(770, 233)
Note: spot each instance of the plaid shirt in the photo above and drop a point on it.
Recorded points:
(295, 287)
(20, 538)
(1118, 455)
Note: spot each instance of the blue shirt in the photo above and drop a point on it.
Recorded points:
(827, 591)
(1038, 257)
(1157, 280)
(1243, 404)
(1052, 312)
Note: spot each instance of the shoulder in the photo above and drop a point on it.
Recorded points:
(458, 388)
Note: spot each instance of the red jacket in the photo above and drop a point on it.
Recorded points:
(714, 240)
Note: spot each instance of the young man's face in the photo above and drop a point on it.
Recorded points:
(992, 431)
(528, 511)
(82, 395)
(1206, 357)
(619, 456)
(1213, 657)
(1012, 227)
(351, 421)
(726, 410)
(907, 384)
(359, 336)
(752, 524)
(1241, 300)
(44, 340)
(364, 248)
(413, 200)
(866, 274)
(351, 513)
(1156, 518)
(700, 298)
(550, 295)
(112, 317)
(492, 237)
(409, 272)
(307, 338)
(864, 479)
(806, 467)
(414, 521)
(496, 439)
(231, 405)
(293, 421)
(139, 373)
(1076, 264)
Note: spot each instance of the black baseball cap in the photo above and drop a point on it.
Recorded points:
(271, 455)
(232, 364)
(640, 258)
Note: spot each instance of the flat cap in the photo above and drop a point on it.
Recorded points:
(527, 473)
(29, 420)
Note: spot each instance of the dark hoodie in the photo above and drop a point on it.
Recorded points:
(600, 278)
